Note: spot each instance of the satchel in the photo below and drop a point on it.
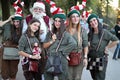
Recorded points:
(10, 53)
(33, 66)
(96, 64)
(54, 62)
(75, 59)
(54, 65)
(1, 49)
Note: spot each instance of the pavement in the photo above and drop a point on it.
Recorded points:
(113, 71)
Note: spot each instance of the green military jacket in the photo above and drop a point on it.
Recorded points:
(107, 37)
(67, 44)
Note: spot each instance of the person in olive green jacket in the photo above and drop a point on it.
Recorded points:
(81, 38)
(95, 52)
(67, 44)
(10, 59)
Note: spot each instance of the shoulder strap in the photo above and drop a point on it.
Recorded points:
(100, 40)
(60, 41)
(28, 42)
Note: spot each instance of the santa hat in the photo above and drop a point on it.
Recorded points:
(40, 5)
(79, 7)
(18, 12)
(75, 9)
(59, 13)
(56, 11)
(85, 14)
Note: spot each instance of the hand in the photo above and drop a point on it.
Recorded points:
(10, 18)
(68, 58)
(85, 62)
(54, 37)
(36, 57)
(41, 31)
(106, 50)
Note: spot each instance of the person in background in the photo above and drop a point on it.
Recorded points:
(96, 31)
(52, 41)
(25, 50)
(83, 20)
(117, 32)
(80, 36)
(11, 34)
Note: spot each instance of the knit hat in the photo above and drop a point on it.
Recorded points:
(91, 16)
(40, 5)
(59, 13)
(56, 11)
(73, 11)
(17, 17)
(18, 7)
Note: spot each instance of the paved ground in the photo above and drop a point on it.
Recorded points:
(113, 71)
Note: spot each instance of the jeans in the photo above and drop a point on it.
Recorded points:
(117, 52)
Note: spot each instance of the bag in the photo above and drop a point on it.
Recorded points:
(10, 53)
(96, 64)
(33, 66)
(1, 49)
(54, 65)
(75, 59)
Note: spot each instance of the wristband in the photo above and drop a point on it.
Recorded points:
(30, 56)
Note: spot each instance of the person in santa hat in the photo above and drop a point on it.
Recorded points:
(81, 49)
(52, 41)
(12, 32)
(38, 12)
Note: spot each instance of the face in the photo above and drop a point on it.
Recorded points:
(38, 10)
(75, 18)
(35, 26)
(57, 22)
(16, 23)
(94, 23)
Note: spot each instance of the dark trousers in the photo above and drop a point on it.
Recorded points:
(117, 52)
(29, 75)
(99, 75)
(9, 69)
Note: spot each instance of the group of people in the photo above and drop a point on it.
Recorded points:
(19, 36)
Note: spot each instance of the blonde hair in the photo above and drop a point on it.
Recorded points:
(69, 29)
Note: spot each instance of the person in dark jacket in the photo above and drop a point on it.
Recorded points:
(117, 32)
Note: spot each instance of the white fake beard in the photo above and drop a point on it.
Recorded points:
(38, 15)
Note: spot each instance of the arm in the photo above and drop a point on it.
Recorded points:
(4, 22)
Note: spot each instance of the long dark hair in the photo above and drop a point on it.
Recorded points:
(28, 31)
(61, 29)
(16, 32)
(91, 32)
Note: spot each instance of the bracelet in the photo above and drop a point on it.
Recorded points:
(85, 57)
(30, 56)
(51, 42)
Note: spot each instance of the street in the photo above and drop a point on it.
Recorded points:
(113, 71)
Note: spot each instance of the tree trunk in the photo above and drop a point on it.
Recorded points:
(5, 9)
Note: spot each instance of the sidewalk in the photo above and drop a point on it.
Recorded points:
(113, 71)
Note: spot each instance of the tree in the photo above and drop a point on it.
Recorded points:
(5, 9)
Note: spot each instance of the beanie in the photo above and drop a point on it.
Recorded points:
(40, 5)
(73, 11)
(91, 16)
(17, 17)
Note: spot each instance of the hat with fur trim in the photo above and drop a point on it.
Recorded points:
(73, 11)
(58, 13)
(40, 5)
